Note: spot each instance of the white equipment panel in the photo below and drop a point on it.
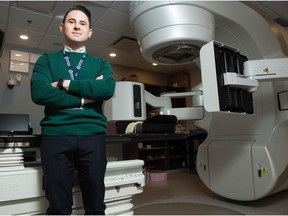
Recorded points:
(21, 192)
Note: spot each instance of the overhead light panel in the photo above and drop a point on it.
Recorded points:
(112, 55)
(24, 37)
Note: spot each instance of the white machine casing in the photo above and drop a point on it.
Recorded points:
(182, 28)
(247, 150)
(127, 102)
(244, 156)
(22, 191)
(267, 69)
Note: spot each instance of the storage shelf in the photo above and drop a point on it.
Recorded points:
(154, 159)
(165, 154)
(177, 156)
(174, 147)
(151, 149)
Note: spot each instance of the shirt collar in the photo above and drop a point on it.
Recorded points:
(80, 50)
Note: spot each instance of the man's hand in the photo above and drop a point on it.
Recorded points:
(54, 84)
(88, 101)
(65, 84)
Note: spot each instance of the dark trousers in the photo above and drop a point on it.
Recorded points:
(60, 157)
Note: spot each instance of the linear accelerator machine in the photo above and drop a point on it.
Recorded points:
(242, 101)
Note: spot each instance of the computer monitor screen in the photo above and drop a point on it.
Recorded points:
(14, 123)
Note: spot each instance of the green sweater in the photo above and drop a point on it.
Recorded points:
(61, 119)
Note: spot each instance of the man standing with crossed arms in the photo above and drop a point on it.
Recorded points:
(72, 85)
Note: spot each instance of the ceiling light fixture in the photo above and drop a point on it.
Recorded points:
(112, 54)
(24, 37)
(154, 64)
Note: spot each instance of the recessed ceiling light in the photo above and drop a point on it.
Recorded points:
(112, 54)
(24, 37)
(154, 64)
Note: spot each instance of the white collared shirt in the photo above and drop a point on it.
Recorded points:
(80, 50)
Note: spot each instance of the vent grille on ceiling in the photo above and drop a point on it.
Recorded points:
(127, 44)
(282, 21)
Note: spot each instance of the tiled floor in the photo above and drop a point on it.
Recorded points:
(187, 187)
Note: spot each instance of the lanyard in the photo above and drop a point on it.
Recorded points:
(73, 74)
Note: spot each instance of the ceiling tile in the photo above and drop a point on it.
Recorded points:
(127, 44)
(3, 14)
(61, 8)
(113, 21)
(51, 43)
(5, 2)
(40, 6)
(94, 49)
(12, 36)
(279, 7)
(130, 34)
(96, 11)
(271, 14)
(53, 28)
(103, 38)
(101, 3)
(122, 6)
(20, 18)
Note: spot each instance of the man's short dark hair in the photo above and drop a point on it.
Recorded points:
(80, 8)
